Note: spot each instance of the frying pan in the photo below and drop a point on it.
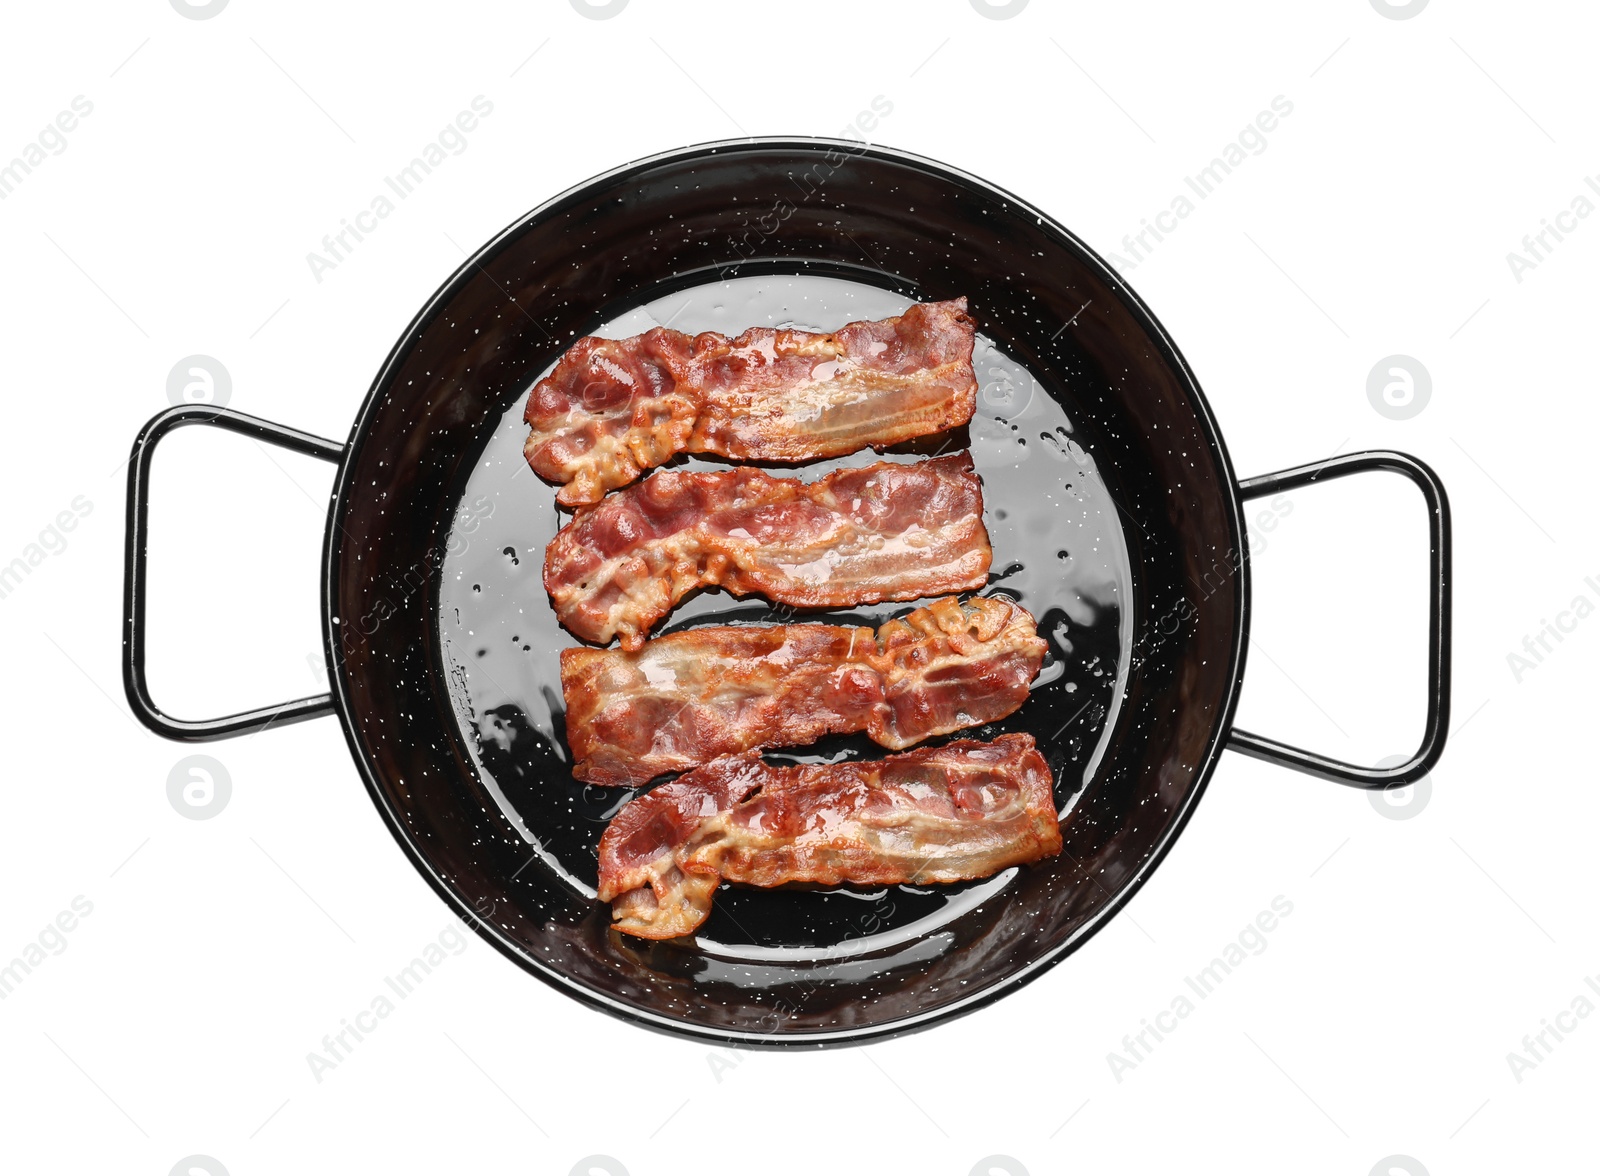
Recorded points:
(884, 219)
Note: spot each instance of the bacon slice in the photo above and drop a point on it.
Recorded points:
(857, 536)
(685, 699)
(942, 814)
(613, 408)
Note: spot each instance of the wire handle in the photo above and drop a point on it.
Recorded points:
(1434, 734)
(133, 599)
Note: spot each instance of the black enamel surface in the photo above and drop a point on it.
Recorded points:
(875, 217)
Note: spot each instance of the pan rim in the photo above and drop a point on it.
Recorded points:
(854, 1035)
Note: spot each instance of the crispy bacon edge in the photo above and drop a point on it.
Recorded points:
(613, 408)
(688, 698)
(965, 810)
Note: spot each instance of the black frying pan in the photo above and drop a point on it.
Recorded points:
(815, 967)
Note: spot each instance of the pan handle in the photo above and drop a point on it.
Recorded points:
(1433, 738)
(133, 599)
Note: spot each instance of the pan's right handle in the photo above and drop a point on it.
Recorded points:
(133, 630)
(1436, 725)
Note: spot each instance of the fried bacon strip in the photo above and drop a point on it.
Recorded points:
(942, 814)
(685, 699)
(857, 536)
(613, 408)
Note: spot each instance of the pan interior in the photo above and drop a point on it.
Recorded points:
(1059, 551)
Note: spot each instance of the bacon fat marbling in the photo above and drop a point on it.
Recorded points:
(687, 698)
(613, 408)
(886, 531)
(945, 814)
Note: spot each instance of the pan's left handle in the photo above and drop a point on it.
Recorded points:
(133, 599)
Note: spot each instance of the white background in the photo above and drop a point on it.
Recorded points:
(1377, 1022)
